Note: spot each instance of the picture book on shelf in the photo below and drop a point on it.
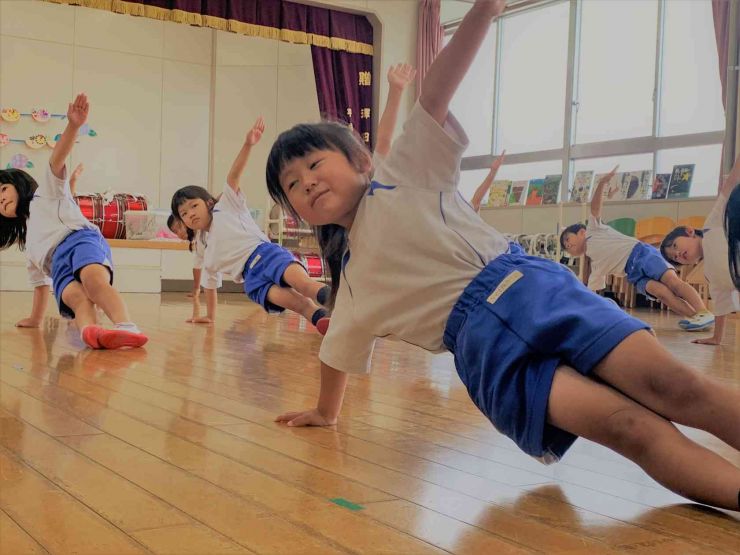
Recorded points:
(636, 185)
(613, 190)
(581, 190)
(680, 184)
(660, 185)
(551, 189)
(517, 193)
(534, 194)
(499, 193)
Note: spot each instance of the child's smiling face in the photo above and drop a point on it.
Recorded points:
(324, 187)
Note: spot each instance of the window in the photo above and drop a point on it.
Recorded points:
(691, 93)
(617, 70)
(473, 102)
(645, 78)
(534, 61)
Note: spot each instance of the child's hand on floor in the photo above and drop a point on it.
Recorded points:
(707, 341)
(27, 323)
(305, 418)
(200, 320)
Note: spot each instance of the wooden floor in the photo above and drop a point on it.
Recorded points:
(173, 449)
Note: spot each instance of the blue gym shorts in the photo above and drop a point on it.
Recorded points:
(514, 324)
(79, 249)
(264, 268)
(645, 264)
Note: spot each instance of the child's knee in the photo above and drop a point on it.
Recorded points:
(73, 295)
(629, 431)
(681, 386)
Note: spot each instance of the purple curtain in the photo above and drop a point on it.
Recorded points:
(344, 79)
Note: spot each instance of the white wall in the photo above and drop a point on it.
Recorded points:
(150, 84)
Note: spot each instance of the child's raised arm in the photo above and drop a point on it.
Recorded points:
(598, 199)
(76, 118)
(731, 179)
(482, 189)
(399, 76)
(452, 63)
(237, 168)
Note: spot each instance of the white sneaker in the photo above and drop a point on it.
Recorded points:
(698, 322)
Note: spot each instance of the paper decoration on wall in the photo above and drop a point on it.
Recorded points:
(85, 130)
(20, 162)
(36, 142)
(4, 139)
(10, 114)
(51, 142)
(41, 115)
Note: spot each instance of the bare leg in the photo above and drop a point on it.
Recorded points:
(683, 290)
(666, 296)
(95, 279)
(597, 412)
(643, 370)
(298, 279)
(76, 299)
(290, 299)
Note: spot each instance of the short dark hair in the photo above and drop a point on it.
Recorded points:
(182, 195)
(13, 230)
(574, 229)
(732, 230)
(297, 142)
(680, 231)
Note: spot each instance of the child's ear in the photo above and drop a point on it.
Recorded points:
(366, 164)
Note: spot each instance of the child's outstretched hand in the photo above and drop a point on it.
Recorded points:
(78, 110)
(608, 177)
(497, 162)
(400, 75)
(305, 418)
(255, 134)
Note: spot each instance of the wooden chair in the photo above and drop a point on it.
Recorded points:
(625, 226)
(654, 230)
(697, 222)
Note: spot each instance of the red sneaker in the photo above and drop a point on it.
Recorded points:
(90, 336)
(119, 339)
(323, 325)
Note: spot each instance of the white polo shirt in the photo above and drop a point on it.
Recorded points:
(54, 214)
(207, 279)
(232, 237)
(414, 246)
(716, 262)
(608, 250)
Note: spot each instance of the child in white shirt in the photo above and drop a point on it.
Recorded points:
(63, 248)
(612, 252)
(542, 357)
(686, 245)
(238, 248)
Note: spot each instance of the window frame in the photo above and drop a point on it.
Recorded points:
(570, 152)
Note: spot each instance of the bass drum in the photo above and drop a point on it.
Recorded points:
(109, 216)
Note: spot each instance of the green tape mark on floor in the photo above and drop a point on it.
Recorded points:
(346, 504)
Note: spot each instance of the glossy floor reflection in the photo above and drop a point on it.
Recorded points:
(173, 449)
